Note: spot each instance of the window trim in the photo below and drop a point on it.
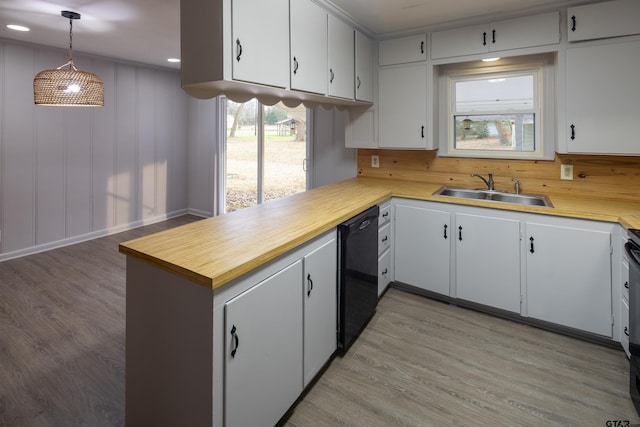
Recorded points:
(542, 65)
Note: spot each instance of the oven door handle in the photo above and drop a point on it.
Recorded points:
(631, 253)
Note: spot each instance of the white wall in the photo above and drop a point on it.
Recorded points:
(203, 152)
(331, 160)
(67, 174)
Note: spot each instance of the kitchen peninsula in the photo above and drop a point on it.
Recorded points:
(177, 281)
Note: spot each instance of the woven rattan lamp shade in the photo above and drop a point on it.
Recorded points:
(68, 87)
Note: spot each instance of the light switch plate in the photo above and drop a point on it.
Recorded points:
(566, 172)
(375, 161)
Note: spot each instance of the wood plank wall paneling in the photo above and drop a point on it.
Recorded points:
(66, 173)
(615, 177)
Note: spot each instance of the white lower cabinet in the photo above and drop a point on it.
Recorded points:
(385, 249)
(384, 272)
(557, 270)
(488, 261)
(320, 309)
(569, 276)
(422, 242)
(263, 360)
(274, 329)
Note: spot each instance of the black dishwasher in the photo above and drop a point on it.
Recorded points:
(357, 274)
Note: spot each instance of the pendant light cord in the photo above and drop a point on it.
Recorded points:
(70, 43)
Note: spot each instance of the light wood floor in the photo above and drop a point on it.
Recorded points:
(418, 363)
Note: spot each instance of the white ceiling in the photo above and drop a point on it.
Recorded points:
(148, 31)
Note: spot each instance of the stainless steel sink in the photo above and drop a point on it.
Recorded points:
(495, 196)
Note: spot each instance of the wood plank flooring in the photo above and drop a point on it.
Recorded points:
(62, 334)
(418, 363)
(421, 362)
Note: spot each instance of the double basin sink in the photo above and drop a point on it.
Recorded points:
(495, 196)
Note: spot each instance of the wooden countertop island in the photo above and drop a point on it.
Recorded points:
(217, 250)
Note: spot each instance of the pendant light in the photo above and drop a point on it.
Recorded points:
(68, 86)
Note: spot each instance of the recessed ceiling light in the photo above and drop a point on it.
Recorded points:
(17, 27)
(173, 60)
(490, 59)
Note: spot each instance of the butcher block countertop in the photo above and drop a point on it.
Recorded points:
(217, 250)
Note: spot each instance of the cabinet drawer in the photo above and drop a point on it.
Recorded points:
(624, 335)
(384, 272)
(384, 238)
(385, 215)
(402, 50)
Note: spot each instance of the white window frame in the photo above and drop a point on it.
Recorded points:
(541, 67)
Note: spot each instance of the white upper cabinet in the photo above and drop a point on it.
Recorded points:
(364, 67)
(460, 41)
(603, 98)
(308, 47)
(402, 106)
(341, 59)
(603, 20)
(260, 32)
(528, 31)
(402, 50)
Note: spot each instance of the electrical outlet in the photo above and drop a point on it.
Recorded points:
(375, 161)
(566, 172)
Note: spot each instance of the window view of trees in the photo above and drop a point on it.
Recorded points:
(495, 111)
(255, 175)
(495, 132)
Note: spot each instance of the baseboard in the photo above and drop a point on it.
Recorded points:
(92, 235)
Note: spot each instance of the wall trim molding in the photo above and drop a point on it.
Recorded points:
(93, 235)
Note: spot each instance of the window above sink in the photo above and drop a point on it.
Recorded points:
(500, 109)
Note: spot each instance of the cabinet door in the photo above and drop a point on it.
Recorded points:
(602, 20)
(422, 248)
(402, 107)
(460, 41)
(488, 261)
(364, 67)
(603, 98)
(341, 59)
(260, 32)
(263, 350)
(528, 31)
(308, 47)
(569, 277)
(402, 50)
(320, 308)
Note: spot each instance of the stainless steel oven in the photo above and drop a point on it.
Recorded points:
(632, 248)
